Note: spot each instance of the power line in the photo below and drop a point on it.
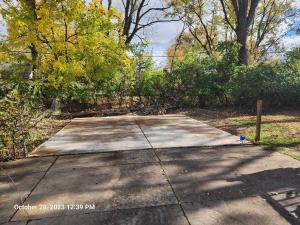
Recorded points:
(162, 56)
(171, 56)
(146, 56)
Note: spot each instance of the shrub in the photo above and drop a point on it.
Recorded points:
(209, 81)
(154, 86)
(19, 114)
(272, 83)
(196, 83)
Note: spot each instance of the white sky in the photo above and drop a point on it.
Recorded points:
(161, 36)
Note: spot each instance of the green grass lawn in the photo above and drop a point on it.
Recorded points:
(278, 132)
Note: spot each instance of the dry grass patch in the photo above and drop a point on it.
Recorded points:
(280, 130)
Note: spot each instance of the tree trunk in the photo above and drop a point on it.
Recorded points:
(32, 47)
(55, 106)
(14, 150)
(243, 55)
(25, 151)
(243, 51)
(242, 30)
(244, 11)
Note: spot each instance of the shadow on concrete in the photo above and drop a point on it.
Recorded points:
(215, 179)
(228, 181)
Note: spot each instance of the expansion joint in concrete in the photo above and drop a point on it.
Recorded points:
(34, 187)
(166, 176)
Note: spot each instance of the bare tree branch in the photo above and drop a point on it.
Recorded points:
(226, 15)
(135, 13)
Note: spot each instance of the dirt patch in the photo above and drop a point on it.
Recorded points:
(44, 130)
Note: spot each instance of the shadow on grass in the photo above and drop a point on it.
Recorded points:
(278, 146)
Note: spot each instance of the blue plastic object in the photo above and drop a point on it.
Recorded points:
(242, 138)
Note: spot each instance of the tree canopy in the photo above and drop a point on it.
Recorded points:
(256, 25)
(64, 40)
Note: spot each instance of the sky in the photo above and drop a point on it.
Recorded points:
(161, 36)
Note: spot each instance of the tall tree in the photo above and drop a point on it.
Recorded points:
(257, 28)
(267, 27)
(139, 14)
(203, 21)
(239, 15)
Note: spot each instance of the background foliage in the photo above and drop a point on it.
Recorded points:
(75, 56)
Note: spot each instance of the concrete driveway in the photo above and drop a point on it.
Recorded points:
(144, 171)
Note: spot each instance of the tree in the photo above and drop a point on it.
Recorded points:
(203, 21)
(267, 27)
(292, 59)
(256, 25)
(140, 14)
(243, 13)
(64, 40)
(257, 20)
(179, 49)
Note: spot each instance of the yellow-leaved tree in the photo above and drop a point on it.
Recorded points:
(61, 41)
(50, 47)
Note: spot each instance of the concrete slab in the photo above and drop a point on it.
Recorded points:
(90, 135)
(216, 184)
(25, 166)
(15, 192)
(182, 131)
(162, 215)
(273, 180)
(105, 159)
(273, 161)
(194, 180)
(228, 178)
(247, 211)
(220, 182)
(16, 223)
(109, 188)
(17, 179)
(271, 175)
(217, 153)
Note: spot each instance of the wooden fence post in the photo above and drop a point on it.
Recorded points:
(258, 120)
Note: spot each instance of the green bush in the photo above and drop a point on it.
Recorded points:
(200, 80)
(272, 83)
(153, 88)
(195, 83)
(222, 81)
(77, 91)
